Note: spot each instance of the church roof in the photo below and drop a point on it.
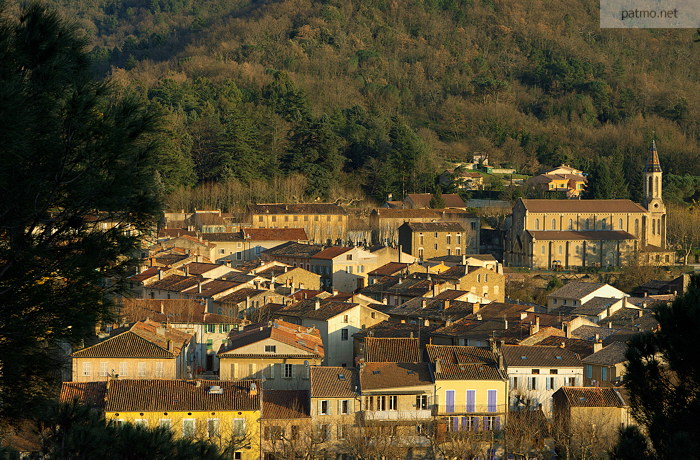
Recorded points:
(584, 206)
(653, 164)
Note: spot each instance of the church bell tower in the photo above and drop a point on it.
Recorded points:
(652, 174)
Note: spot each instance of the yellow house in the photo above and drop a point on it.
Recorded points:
(585, 409)
(471, 387)
(323, 222)
(222, 412)
(147, 350)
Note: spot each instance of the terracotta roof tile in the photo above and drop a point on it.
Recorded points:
(145, 339)
(182, 395)
(389, 269)
(597, 235)
(608, 356)
(392, 350)
(464, 363)
(592, 206)
(293, 249)
(529, 356)
(88, 393)
(170, 311)
(452, 200)
(435, 226)
(285, 404)
(331, 253)
(576, 290)
(306, 340)
(593, 396)
(447, 214)
(334, 382)
(378, 376)
(327, 309)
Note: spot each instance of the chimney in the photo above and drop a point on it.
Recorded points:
(426, 322)
(317, 304)
(535, 328)
(438, 366)
(247, 302)
(562, 345)
(253, 389)
(466, 269)
(171, 346)
(162, 309)
(160, 274)
(199, 287)
(641, 313)
(597, 346)
(475, 307)
(187, 270)
(385, 300)
(160, 330)
(152, 261)
(411, 336)
(505, 323)
(435, 290)
(501, 364)
(423, 303)
(446, 304)
(609, 324)
(567, 329)
(464, 259)
(197, 258)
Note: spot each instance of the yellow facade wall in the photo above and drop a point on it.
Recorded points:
(481, 387)
(92, 369)
(250, 443)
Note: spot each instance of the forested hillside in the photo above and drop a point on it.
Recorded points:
(373, 96)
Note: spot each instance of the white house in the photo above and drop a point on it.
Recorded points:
(577, 293)
(343, 268)
(536, 372)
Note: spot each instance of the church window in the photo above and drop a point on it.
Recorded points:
(619, 224)
(554, 224)
(588, 224)
(571, 224)
(653, 226)
(543, 249)
(651, 187)
(636, 226)
(537, 224)
(560, 249)
(658, 188)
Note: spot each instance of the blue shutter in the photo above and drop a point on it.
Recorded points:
(471, 400)
(455, 423)
(492, 400)
(450, 401)
(497, 423)
(464, 423)
(476, 423)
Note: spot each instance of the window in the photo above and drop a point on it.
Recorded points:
(165, 423)
(288, 371)
(459, 238)
(348, 257)
(619, 224)
(458, 251)
(141, 422)
(239, 427)
(554, 224)
(224, 328)
(393, 402)
(514, 383)
(104, 369)
(532, 383)
(323, 408)
(86, 369)
(381, 403)
(274, 218)
(572, 381)
(589, 371)
(588, 224)
(473, 225)
(478, 278)
(373, 315)
(420, 253)
(543, 249)
(360, 269)
(436, 234)
(471, 400)
(449, 400)
(344, 334)
(237, 455)
(449, 239)
(211, 328)
(210, 344)
(604, 374)
(260, 218)
(343, 431)
(269, 371)
(491, 400)
(188, 427)
(537, 224)
(159, 369)
(560, 249)
(213, 427)
(295, 432)
(435, 246)
(571, 224)
(273, 432)
(270, 348)
(422, 402)
(549, 383)
(123, 369)
(323, 432)
(346, 319)
(142, 370)
(349, 269)
(344, 406)
(491, 423)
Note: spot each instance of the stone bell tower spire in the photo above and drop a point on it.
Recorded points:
(653, 201)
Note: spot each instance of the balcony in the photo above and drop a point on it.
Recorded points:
(380, 415)
(476, 409)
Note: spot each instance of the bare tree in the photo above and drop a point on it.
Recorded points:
(292, 439)
(683, 227)
(586, 435)
(525, 432)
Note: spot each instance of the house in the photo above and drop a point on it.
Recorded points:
(336, 322)
(343, 268)
(396, 290)
(606, 366)
(239, 247)
(324, 223)
(393, 330)
(335, 403)
(548, 234)
(474, 260)
(387, 254)
(478, 280)
(395, 398)
(536, 372)
(422, 201)
(293, 254)
(208, 330)
(386, 222)
(147, 350)
(277, 351)
(432, 239)
(578, 293)
(247, 303)
(571, 184)
(438, 310)
(292, 278)
(390, 269)
(471, 387)
(222, 412)
(588, 409)
(391, 350)
(286, 425)
(462, 179)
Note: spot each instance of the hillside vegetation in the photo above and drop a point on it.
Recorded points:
(373, 96)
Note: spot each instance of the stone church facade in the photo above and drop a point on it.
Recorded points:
(550, 234)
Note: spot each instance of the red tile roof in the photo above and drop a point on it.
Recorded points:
(145, 339)
(392, 350)
(452, 200)
(597, 235)
(542, 356)
(331, 253)
(88, 393)
(592, 206)
(182, 395)
(389, 269)
(464, 363)
(285, 404)
(334, 382)
(171, 311)
(306, 340)
(378, 376)
(592, 396)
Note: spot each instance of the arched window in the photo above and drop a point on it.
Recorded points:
(537, 224)
(560, 249)
(658, 187)
(543, 249)
(554, 224)
(653, 226)
(571, 224)
(651, 187)
(636, 226)
(588, 224)
(619, 224)
(602, 224)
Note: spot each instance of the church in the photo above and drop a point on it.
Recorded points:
(566, 234)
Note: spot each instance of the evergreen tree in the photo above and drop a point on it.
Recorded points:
(600, 181)
(437, 201)
(287, 100)
(408, 158)
(239, 153)
(74, 156)
(663, 378)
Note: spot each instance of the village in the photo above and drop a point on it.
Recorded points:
(296, 332)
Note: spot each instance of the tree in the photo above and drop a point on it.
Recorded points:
(663, 377)
(77, 172)
(600, 181)
(437, 201)
(683, 227)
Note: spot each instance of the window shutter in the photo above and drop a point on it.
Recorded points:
(320, 407)
(497, 423)
(340, 407)
(272, 370)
